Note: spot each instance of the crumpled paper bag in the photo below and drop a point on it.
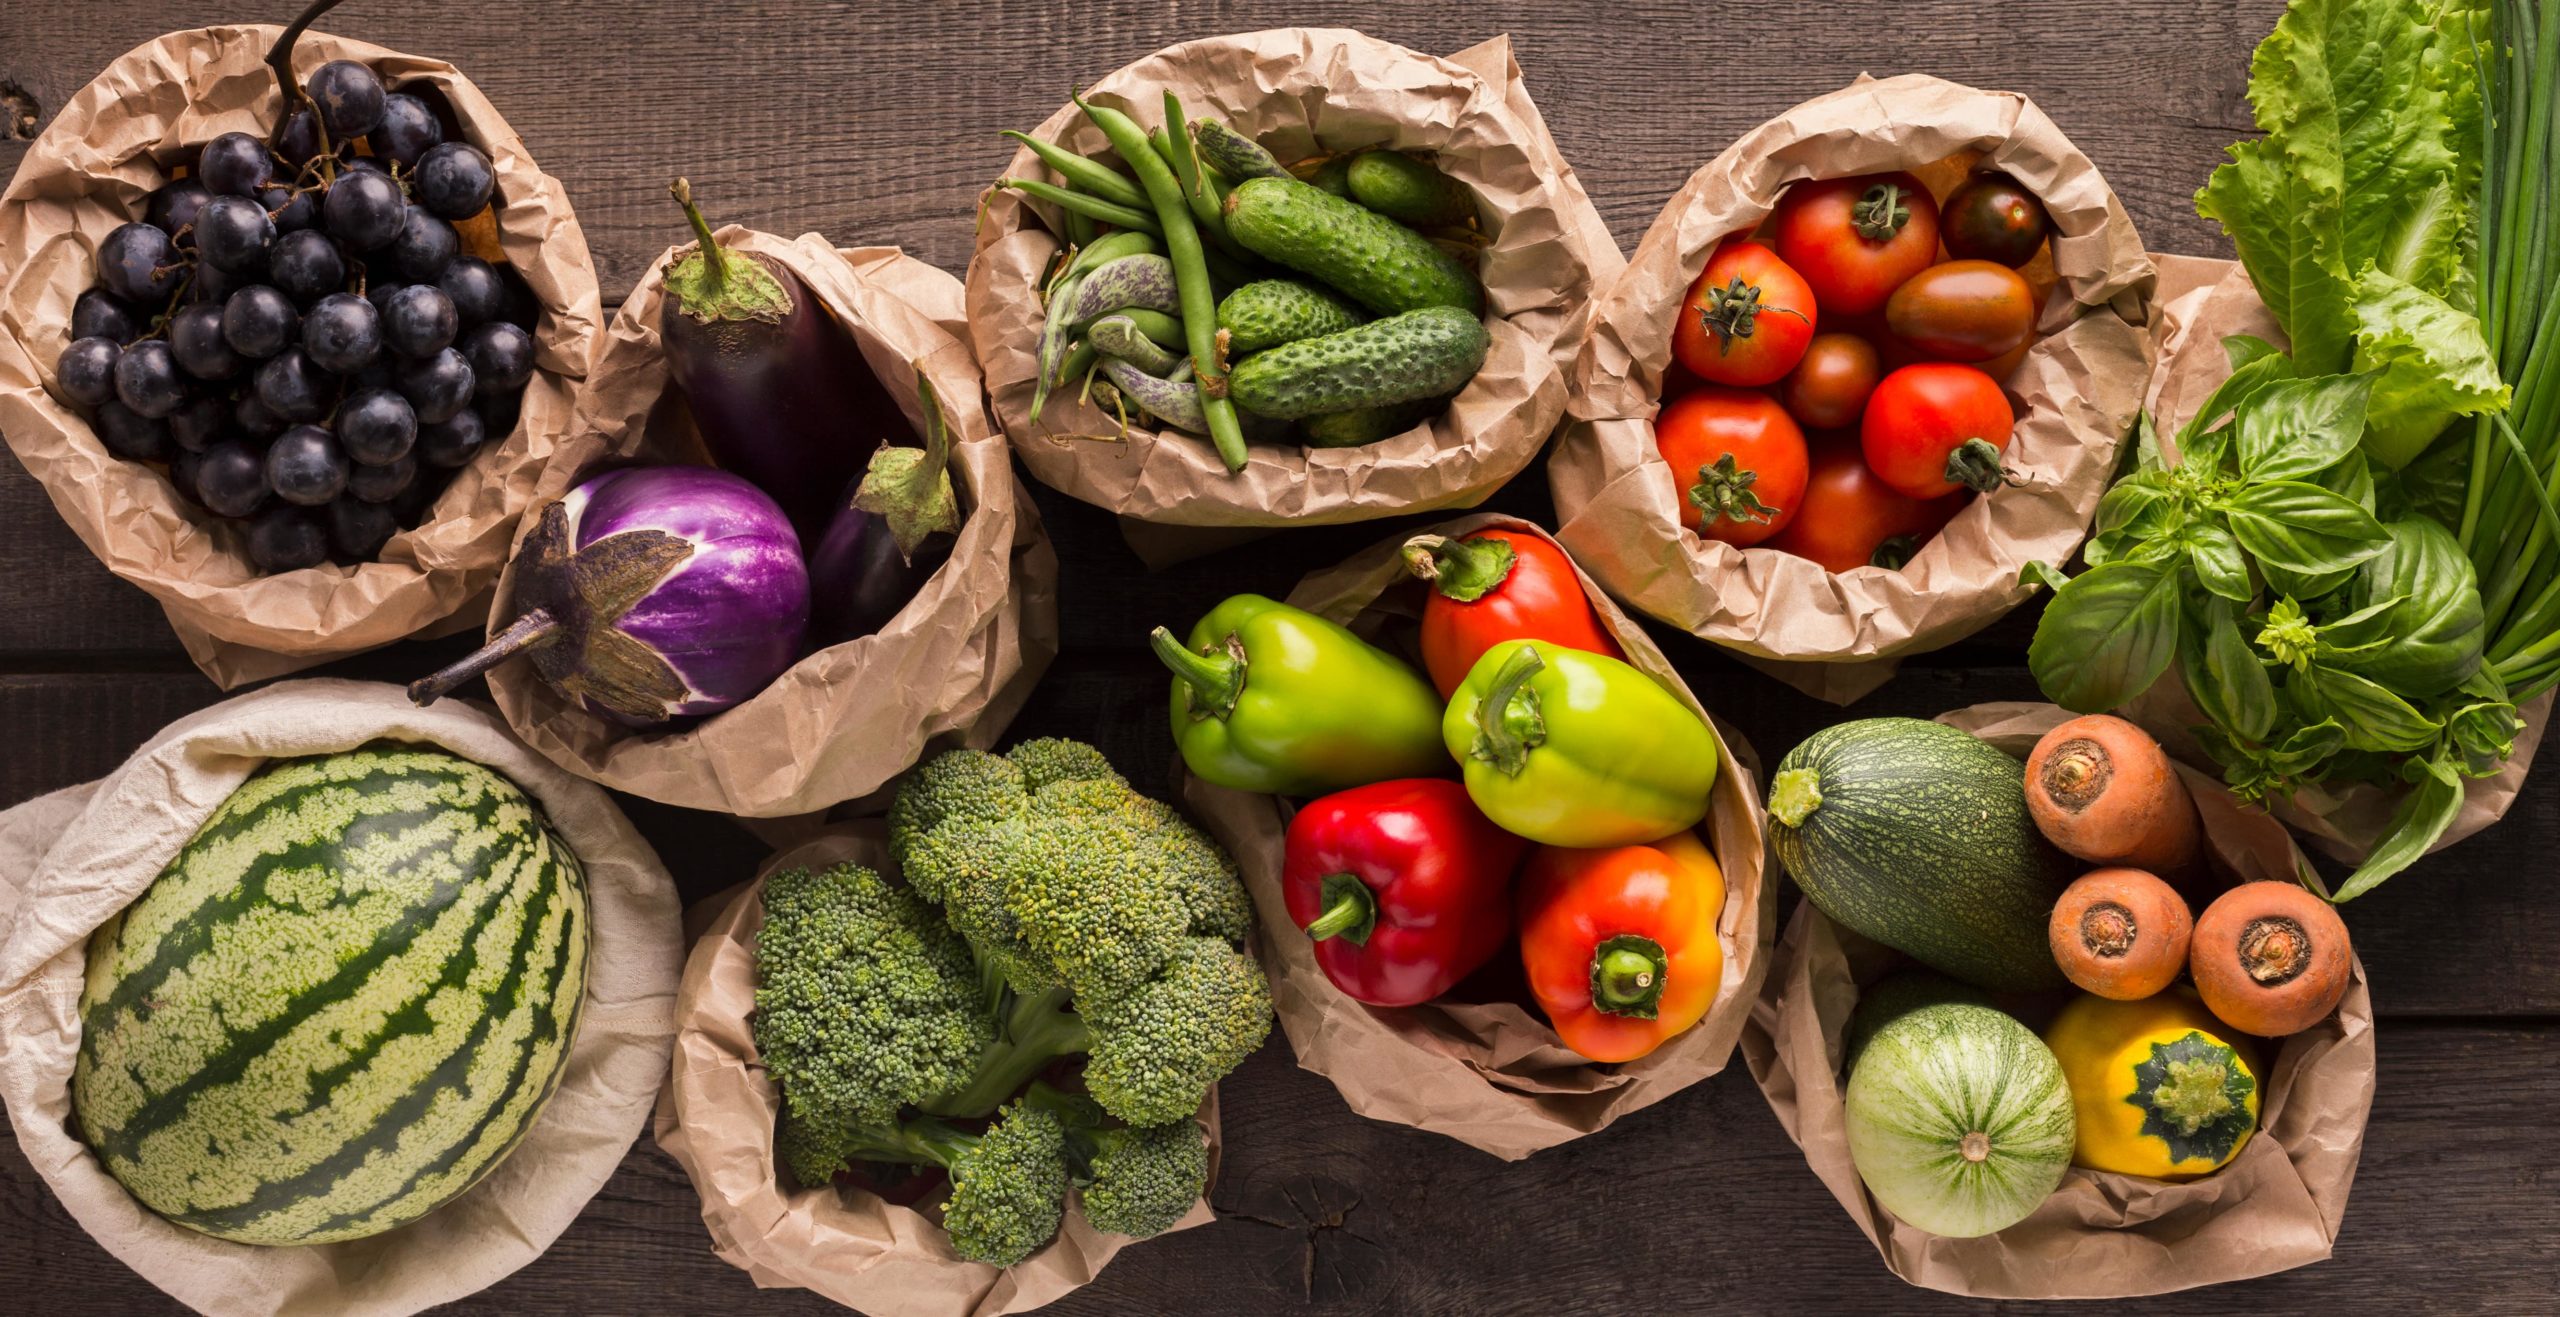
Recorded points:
(717, 1116)
(2101, 1235)
(1492, 1075)
(2203, 302)
(952, 668)
(89, 173)
(72, 859)
(1303, 91)
(2076, 394)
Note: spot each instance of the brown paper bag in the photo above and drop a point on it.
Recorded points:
(954, 666)
(106, 150)
(2101, 1235)
(70, 860)
(1302, 91)
(717, 1117)
(2076, 394)
(2211, 301)
(1492, 1075)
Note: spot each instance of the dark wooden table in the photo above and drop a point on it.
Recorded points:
(876, 123)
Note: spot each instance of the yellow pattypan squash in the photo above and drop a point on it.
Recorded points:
(2158, 1085)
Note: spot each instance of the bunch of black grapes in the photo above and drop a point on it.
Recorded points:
(294, 330)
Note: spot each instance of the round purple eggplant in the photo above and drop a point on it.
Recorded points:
(890, 533)
(652, 593)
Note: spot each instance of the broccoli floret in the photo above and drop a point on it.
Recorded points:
(1097, 899)
(1008, 1185)
(813, 1153)
(1157, 1049)
(1206, 878)
(969, 862)
(866, 1001)
(1139, 1181)
(955, 784)
(1056, 759)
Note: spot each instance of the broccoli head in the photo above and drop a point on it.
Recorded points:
(1097, 899)
(956, 784)
(1056, 759)
(1140, 1180)
(1158, 1048)
(1210, 889)
(968, 861)
(1008, 1186)
(866, 1001)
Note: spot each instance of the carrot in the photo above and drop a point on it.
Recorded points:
(2102, 790)
(2120, 933)
(2270, 958)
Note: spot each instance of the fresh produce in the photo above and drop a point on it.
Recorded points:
(1497, 585)
(284, 1041)
(1404, 886)
(1745, 456)
(1970, 311)
(1407, 191)
(652, 593)
(1828, 388)
(1271, 698)
(1367, 425)
(1569, 748)
(2104, 791)
(889, 533)
(1959, 1120)
(1747, 320)
(1368, 257)
(1429, 353)
(1990, 217)
(2156, 1090)
(1897, 994)
(1847, 518)
(2270, 958)
(1008, 1182)
(2121, 934)
(778, 388)
(229, 337)
(1918, 836)
(1269, 312)
(1933, 428)
(1855, 240)
(1620, 944)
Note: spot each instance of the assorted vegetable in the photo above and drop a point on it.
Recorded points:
(1620, 942)
(1403, 885)
(2157, 1088)
(1267, 697)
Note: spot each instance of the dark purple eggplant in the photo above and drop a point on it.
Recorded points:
(779, 390)
(891, 531)
(652, 593)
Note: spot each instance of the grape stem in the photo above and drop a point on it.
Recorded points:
(280, 61)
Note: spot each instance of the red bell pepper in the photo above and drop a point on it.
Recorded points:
(1620, 942)
(1498, 585)
(1404, 885)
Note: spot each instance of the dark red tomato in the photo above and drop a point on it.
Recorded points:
(1963, 311)
(1737, 463)
(1828, 389)
(1935, 428)
(1746, 320)
(1990, 217)
(1851, 519)
(1856, 239)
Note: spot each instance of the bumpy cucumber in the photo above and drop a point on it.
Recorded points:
(1405, 358)
(1369, 258)
(1402, 188)
(1269, 312)
(1331, 176)
(1368, 425)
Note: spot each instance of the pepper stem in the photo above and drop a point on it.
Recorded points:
(1628, 974)
(1464, 570)
(1216, 680)
(1975, 464)
(1350, 910)
(1794, 794)
(527, 633)
(1895, 552)
(1508, 722)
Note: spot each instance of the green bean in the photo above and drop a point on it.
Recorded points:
(1091, 175)
(1119, 336)
(1081, 228)
(1117, 216)
(1060, 325)
(1207, 211)
(1156, 325)
(1190, 276)
(1111, 247)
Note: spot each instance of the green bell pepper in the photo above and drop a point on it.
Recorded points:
(1568, 748)
(1272, 698)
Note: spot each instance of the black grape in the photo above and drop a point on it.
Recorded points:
(174, 206)
(295, 388)
(364, 210)
(231, 479)
(195, 339)
(183, 470)
(426, 245)
(305, 466)
(349, 96)
(455, 181)
(358, 528)
(298, 138)
(521, 308)
(137, 263)
(97, 313)
(408, 128)
(293, 209)
(286, 539)
(419, 321)
(259, 322)
(379, 293)
(451, 443)
(501, 356)
(341, 333)
(147, 379)
(306, 266)
(437, 387)
(235, 165)
(377, 427)
(86, 370)
(234, 232)
(215, 285)
(130, 434)
(474, 287)
(256, 419)
(381, 484)
(195, 426)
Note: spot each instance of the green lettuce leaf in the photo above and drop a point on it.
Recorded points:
(2430, 364)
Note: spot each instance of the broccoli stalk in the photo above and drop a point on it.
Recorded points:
(1008, 1185)
(1038, 1029)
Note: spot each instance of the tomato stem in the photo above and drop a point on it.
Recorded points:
(1724, 493)
(1880, 213)
(1975, 464)
(1734, 310)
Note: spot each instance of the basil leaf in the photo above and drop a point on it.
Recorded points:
(2300, 427)
(2254, 364)
(2140, 503)
(2039, 572)
(2108, 634)
(2375, 718)
(2351, 479)
(2216, 558)
(2486, 735)
(2146, 444)
(2224, 676)
(2414, 827)
(2303, 752)
(2294, 527)
(2435, 628)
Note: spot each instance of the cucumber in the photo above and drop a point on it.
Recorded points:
(1367, 425)
(1332, 176)
(1367, 257)
(1269, 312)
(1405, 189)
(1406, 358)
(1918, 836)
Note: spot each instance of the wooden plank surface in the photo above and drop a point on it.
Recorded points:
(876, 123)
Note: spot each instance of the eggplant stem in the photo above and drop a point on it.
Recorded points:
(527, 633)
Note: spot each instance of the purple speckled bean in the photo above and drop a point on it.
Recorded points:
(1118, 336)
(1177, 405)
(1141, 281)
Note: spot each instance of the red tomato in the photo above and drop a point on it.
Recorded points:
(1828, 389)
(1852, 519)
(1746, 320)
(1856, 239)
(1937, 427)
(1737, 463)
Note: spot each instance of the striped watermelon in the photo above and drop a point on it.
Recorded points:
(343, 1002)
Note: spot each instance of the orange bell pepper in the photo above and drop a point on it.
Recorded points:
(1620, 942)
